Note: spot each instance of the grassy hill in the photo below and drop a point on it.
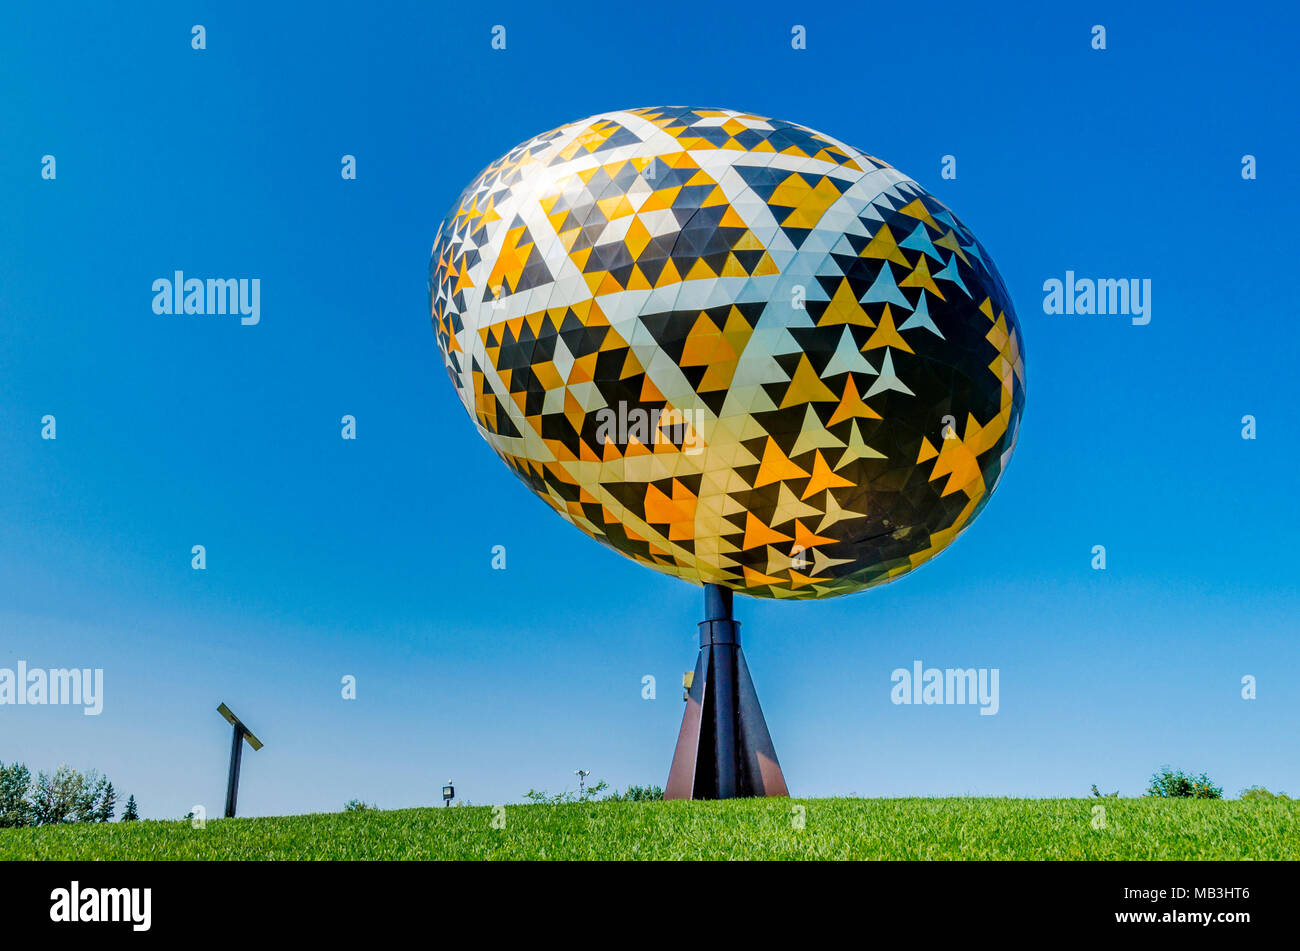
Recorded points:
(739, 829)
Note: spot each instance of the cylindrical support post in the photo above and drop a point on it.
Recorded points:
(232, 783)
(720, 635)
(717, 603)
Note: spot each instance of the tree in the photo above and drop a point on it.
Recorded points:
(107, 803)
(64, 796)
(130, 814)
(90, 797)
(57, 797)
(1170, 784)
(15, 783)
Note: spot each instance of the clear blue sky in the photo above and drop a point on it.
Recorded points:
(372, 557)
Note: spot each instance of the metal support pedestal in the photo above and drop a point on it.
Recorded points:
(724, 750)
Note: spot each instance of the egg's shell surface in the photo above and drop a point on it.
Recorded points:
(732, 348)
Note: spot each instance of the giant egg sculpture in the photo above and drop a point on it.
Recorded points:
(734, 349)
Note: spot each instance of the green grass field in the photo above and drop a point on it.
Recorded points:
(739, 829)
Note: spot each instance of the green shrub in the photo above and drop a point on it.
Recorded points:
(1262, 794)
(1175, 784)
(592, 794)
(637, 794)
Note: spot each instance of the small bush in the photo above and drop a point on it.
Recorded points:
(592, 794)
(637, 794)
(588, 794)
(1175, 784)
(356, 805)
(1262, 794)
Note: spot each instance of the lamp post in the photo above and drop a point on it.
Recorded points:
(448, 793)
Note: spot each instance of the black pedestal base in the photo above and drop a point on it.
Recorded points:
(723, 750)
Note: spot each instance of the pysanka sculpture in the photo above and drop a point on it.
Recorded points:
(739, 351)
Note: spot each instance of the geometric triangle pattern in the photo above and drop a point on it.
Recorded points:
(732, 348)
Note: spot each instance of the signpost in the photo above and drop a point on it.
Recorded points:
(236, 749)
